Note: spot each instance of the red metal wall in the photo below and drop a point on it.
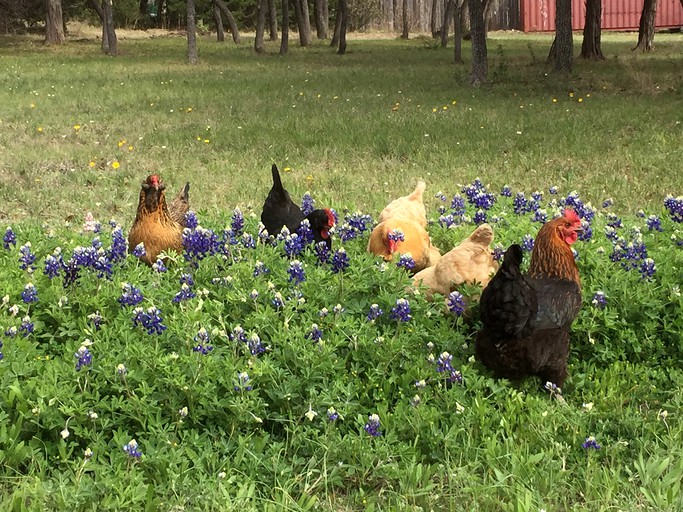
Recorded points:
(539, 15)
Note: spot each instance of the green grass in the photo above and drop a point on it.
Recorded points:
(330, 118)
(356, 131)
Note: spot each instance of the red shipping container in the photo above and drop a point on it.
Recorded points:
(539, 15)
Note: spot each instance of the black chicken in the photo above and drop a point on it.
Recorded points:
(279, 210)
(526, 317)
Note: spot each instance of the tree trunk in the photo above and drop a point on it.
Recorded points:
(457, 35)
(302, 21)
(220, 32)
(337, 28)
(100, 13)
(480, 65)
(435, 30)
(448, 15)
(54, 22)
(272, 20)
(260, 26)
(562, 49)
(112, 42)
(284, 41)
(343, 24)
(590, 48)
(232, 24)
(191, 33)
(320, 20)
(406, 27)
(646, 30)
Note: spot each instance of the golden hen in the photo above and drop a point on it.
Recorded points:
(403, 236)
(408, 207)
(154, 226)
(470, 262)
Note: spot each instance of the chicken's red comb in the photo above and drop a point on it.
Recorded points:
(153, 179)
(330, 217)
(571, 215)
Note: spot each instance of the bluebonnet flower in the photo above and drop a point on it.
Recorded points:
(401, 311)
(307, 203)
(1, 354)
(373, 425)
(654, 223)
(447, 220)
(191, 220)
(527, 243)
(375, 313)
(611, 234)
(322, 251)
(520, 204)
(480, 217)
(590, 444)
(599, 300)
(130, 295)
(260, 268)
(53, 264)
(30, 294)
(132, 449)
(443, 365)
(293, 245)
(241, 383)
(83, 357)
(9, 239)
(119, 246)
(238, 334)
(323, 312)
(498, 251)
(202, 340)
(26, 327)
(540, 216)
(630, 255)
(586, 231)
(26, 257)
(483, 200)
(186, 279)
(121, 370)
(674, 206)
(421, 384)
(158, 266)
(614, 221)
(151, 320)
(237, 223)
(96, 320)
(277, 300)
(255, 345)
(506, 191)
(458, 205)
(338, 309)
(315, 334)
(96, 243)
(11, 332)
(415, 401)
(199, 243)
(553, 190)
(185, 293)
(254, 294)
(607, 202)
(640, 213)
(406, 261)
(248, 241)
(340, 261)
(396, 235)
(456, 303)
(296, 272)
(647, 268)
(332, 414)
(537, 196)
(440, 196)
(139, 250)
(346, 232)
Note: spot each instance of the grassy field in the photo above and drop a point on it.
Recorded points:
(152, 419)
(389, 112)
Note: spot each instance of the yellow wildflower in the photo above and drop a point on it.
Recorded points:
(91, 163)
(115, 164)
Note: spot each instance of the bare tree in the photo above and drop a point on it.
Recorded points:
(107, 25)
(303, 21)
(562, 49)
(260, 26)
(433, 22)
(646, 29)
(232, 24)
(272, 20)
(319, 10)
(54, 22)
(191, 33)
(406, 25)
(590, 48)
(480, 64)
(220, 32)
(457, 33)
(284, 41)
(343, 15)
(447, 17)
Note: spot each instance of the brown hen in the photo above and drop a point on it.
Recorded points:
(415, 241)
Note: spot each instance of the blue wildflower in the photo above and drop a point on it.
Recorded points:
(241, 383)
(191, 220)
(248, 241)
(315, 334)
(293, 245)
(553, 190)
(674, 206)
(158, 266)
(199, 243)
(647, 268)
(237, 223)
(443, 365)
(30, 294)
(498, 251)
(305, 232)
(255, 345)
(83, 357)
(340, 261)
(185, 293)
(599, 300)
(96, 320)
(458, 205)
(307, 203)
(139, 250)
(373, 425)
(480, 217)
(540, 216)
(26, 327)
(119, 246)
(506, 191)
(277, 300)
(446, 220)
(26, 258)
(590, 444)
(53, 264)
(9, 238)
(151, 320)
(238, 334)
(527, 243)
(456, 303)
(296, 272)
(130, 295)
(401, 311)
(202, 340)
(440, 196)
(322, 252)
(406, 261)
(260, 268)
(520, 204)
(396, 235)
(332, 414)
(654, 223)
(607, 202)
(132, 449)
(375, 313)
